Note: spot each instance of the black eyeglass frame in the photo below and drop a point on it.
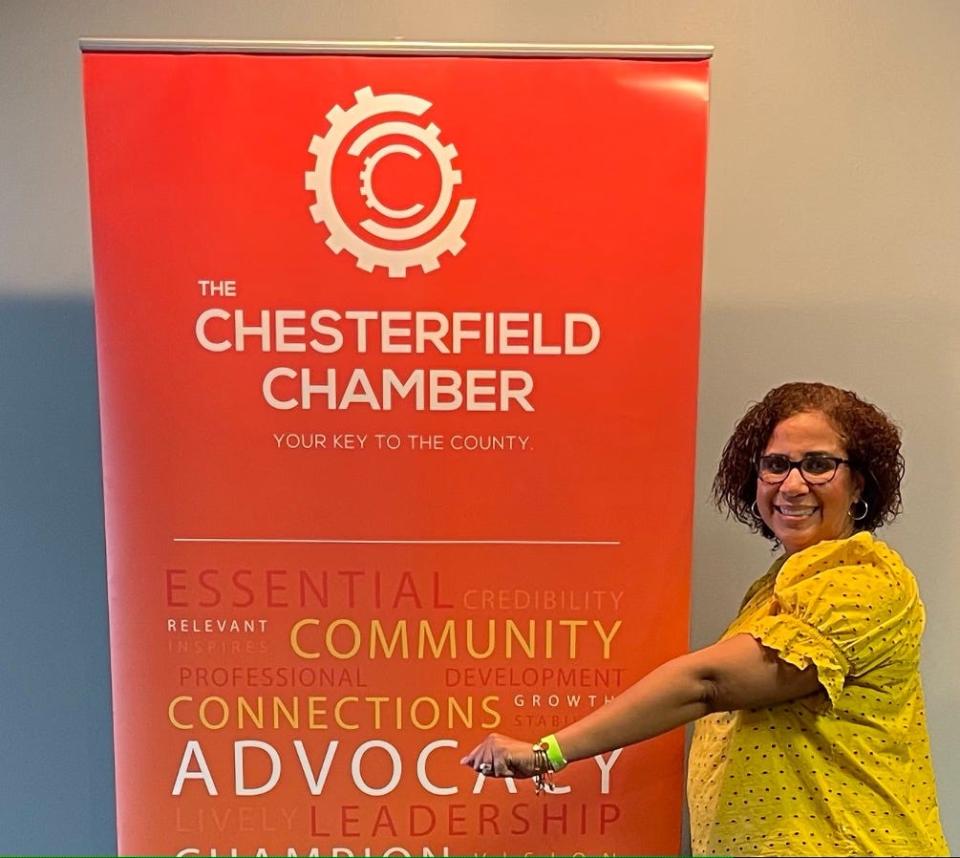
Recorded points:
(798, 464)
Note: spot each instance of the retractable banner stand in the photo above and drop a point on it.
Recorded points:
(398, 363)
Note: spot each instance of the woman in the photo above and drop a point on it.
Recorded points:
(811, 737)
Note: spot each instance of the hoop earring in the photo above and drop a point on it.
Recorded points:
(755, 510)
(863, 515)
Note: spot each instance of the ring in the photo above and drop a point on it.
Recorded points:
(485, 768)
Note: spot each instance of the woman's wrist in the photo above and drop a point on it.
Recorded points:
(554, 752)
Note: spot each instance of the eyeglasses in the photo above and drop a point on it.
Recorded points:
(814, 468)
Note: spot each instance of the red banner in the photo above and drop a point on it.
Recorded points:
(398, 363)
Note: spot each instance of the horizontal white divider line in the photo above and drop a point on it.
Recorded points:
(401, 541)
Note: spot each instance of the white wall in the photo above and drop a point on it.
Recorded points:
(832, 253)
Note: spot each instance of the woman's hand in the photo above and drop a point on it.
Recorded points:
(502, 757)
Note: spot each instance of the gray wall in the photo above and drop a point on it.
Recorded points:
(832, 253)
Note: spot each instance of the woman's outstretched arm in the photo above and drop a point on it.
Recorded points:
(737, 673)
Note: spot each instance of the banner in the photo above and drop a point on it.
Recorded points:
(398, 362)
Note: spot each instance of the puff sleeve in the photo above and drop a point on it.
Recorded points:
(846, 606)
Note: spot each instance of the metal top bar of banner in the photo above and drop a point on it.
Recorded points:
(397, 46)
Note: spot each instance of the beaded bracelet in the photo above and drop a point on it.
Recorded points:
(547, 759)
(542, 772)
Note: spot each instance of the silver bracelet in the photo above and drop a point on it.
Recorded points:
(542, 769)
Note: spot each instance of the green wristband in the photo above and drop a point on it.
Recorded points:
(554, 754)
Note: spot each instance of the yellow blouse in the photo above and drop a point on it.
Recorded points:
(846, 771)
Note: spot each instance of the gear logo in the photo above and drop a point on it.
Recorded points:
(402, 243)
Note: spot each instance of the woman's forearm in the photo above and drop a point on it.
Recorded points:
(673, 694)
(736, 673)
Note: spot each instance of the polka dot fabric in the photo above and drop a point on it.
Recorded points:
(846, 771)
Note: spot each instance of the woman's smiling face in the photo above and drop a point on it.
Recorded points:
(800, 514)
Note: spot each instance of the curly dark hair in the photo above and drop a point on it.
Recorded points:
(871, 438)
